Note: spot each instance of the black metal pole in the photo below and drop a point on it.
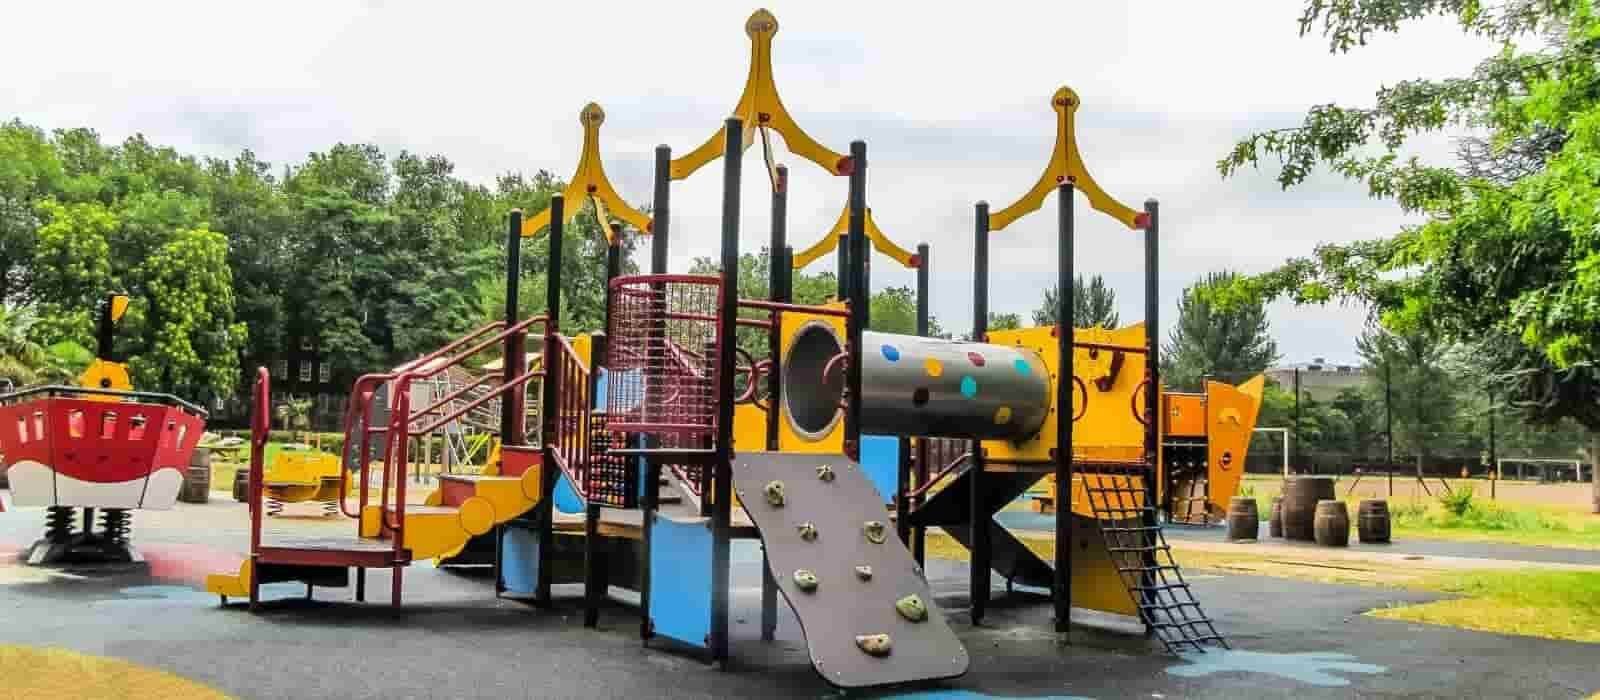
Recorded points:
(777, 290)
(511, 429)
(727, 333)
(859, 311)
(1295, 455)
(978, 566)
(1388, 419)
(1152, 394)
(549, 406)
(596, 552)
(105, 335)
(510, 434)
(919, 543)
(660, 227)
(843, 253)
(1494, 455)
(1064, 384)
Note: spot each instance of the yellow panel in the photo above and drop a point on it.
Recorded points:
(1096, 585)
(788, 439)
(1185, 414)
(119, 306)
(231, 585)
(307, 468)
(1232, 420)
(1107, 430)
(749, 428)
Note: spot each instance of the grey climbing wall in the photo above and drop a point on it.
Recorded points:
(843, 606)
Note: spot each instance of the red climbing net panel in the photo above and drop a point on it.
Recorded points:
(662, 357)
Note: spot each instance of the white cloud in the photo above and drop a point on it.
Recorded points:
(953, 101)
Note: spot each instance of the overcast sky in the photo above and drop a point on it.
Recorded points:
(953, 101)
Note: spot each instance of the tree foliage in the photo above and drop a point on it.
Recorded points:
(1208, 339)
(1093, 304)
(1508, 259)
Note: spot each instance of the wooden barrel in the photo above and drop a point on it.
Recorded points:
(197, 479)
(241, 484)
(1275, 523)
(1332, 526)
(1244, 519)
(1300, 496)
(1372, 521)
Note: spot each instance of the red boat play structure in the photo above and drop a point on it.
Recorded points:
(98, 446)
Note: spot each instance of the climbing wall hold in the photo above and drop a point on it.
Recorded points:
(874, 644)
(1002, 415)
(975, 359)
(825, 472)
(774, 492)
(864, 573)
(969, 387)
(875, 531)
(808, 531)
(891, 353)
(805, 580)
(933, 367)
(912, 608)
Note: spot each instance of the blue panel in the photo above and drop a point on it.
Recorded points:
(880, 460)
(680, 598)
(600, 390)
(519, 560)
(567, 500)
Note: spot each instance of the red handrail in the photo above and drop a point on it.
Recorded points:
(358, 426)
(923, 487)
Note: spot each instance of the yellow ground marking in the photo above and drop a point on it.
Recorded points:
(49, 673)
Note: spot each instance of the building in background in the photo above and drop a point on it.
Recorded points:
(1319, 379)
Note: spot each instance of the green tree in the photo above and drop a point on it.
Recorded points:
(29, 173)
(1093, 304)
(1208, 339)
(21, 356)
(1422, 389)
(1506, 259)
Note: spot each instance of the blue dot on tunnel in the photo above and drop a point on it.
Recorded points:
(969, 387)
(891, 353)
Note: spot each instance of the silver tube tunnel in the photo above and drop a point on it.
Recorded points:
(917, 386)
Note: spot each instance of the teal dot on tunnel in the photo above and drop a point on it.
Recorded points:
(1022, 366)
(891, 353)
(969, 387)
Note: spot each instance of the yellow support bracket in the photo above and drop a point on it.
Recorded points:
(760, 107)
(875, 235)
(590, 182)
(1066, 166)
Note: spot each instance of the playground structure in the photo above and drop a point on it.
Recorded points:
(96, 446)
(648, 457)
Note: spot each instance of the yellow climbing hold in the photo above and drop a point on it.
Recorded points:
(1002, 415)
(934, 367)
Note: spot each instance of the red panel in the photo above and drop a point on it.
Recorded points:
(454, 493)
(516, 459)
(98, 441)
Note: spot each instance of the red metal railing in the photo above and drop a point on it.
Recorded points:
(397, 434)
(569, 445)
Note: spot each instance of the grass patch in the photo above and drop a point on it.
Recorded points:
(1480, 521)
(1550, 604)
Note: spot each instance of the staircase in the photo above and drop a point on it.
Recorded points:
(392, 533)
(1127, 523)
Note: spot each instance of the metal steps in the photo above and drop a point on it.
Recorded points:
(1127, 522)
